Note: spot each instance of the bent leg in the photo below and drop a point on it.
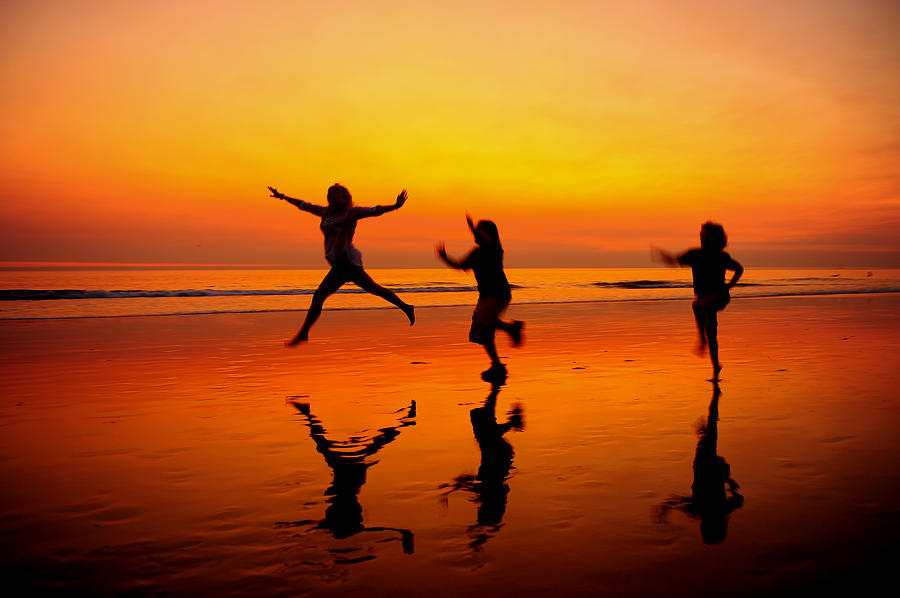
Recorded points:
(365, 282)
(513, 329)
(331, 283)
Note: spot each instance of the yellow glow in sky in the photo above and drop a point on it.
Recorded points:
(147, 131)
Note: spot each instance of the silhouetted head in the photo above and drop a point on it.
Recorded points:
(712, 236)
(339, 197)
(487, 235)
(713, 528)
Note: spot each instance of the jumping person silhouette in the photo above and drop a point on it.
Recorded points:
(708, 265)
(338, 224)
(494, 294)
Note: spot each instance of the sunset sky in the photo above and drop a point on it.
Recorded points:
(588, 130)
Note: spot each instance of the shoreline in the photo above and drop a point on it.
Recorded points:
(662, 300)
(642, 332)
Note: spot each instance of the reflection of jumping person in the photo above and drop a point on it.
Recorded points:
(494, 295)
(708, 500)
(708, 265)
(348, 463)
(338, 224)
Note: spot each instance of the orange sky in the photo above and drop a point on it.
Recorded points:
(147, 131)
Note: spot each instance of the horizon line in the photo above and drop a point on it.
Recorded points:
(13, 265)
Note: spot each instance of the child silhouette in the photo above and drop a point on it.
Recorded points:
(494, 295)
(708, 265)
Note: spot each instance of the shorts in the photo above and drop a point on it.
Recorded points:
(344, 271)
(485, 318)
(715, 301)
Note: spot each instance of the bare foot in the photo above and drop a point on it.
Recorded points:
(515, 417)
(410, 311)
(700, 349)
(717, 369)
(516, 332)
(407, 541)
(296, 341)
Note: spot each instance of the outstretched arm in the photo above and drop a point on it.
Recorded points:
(442, 253)
(673, 502)
(660, 255)
(379, 210)
(407, 539)
(299, 203)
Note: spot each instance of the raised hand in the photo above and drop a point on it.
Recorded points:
(275, 193)
(401, 199)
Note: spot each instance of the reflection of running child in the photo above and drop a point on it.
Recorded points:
(708, 265)
(486, 261)
(709, 501)
(489, 486)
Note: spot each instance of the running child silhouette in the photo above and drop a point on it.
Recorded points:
(708, 265)
(486, 261)
(338, 224)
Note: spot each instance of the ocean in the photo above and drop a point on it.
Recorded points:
(149, 291)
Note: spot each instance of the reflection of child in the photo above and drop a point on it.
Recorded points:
(708, 265)
(489, 485)
(708, 500)
(486, 261)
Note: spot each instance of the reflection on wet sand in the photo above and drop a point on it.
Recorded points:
(488, 486)
(709, 501)
(348, 462)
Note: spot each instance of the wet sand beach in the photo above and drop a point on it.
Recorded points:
(194, 455)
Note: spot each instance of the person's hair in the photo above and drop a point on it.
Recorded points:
(339, 194)
(716, 234)
(490, 229)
